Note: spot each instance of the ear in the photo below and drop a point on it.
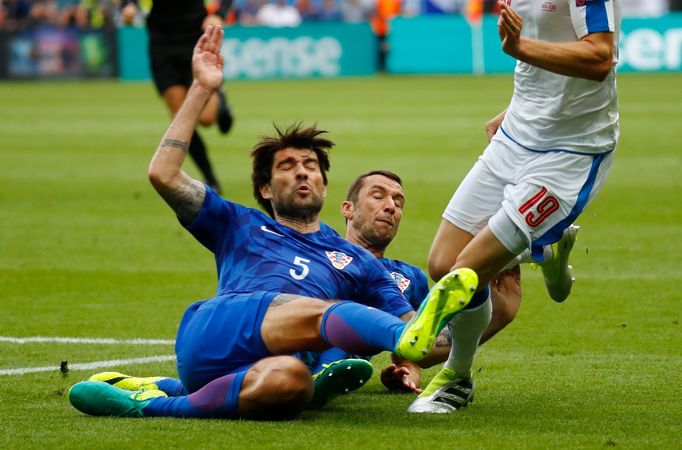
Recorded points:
(347, 209)
(265, 192)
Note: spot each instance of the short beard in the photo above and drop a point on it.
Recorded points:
(306, 213)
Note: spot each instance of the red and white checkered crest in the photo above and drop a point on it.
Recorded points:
(339, 260)
(402, 281)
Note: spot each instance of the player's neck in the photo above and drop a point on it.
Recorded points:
(357, 240)
(302, 226)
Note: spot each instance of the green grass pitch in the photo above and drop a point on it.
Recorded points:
(87, 249)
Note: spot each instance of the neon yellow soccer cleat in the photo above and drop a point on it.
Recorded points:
(98, 398)
(447, 297)
(338, 378)
(127, 382)
(557, 272)
(446, 393)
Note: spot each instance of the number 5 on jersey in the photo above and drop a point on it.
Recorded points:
(302, 264)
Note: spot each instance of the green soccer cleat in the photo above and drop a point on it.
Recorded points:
(557, 272)
(338, 378)
(127, 382)
(446, 393)
(98, 398)
(447, 297)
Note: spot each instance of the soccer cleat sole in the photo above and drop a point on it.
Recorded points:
(449, 296)
(338, 378)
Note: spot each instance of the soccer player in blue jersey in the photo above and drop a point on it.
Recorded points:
(280, 278)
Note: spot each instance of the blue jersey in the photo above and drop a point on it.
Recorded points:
(411, 280)
(255, 253)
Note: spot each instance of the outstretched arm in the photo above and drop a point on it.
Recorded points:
(182, 193)
(590, 58)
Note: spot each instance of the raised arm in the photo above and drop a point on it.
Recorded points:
(590, 58)
(182, 193)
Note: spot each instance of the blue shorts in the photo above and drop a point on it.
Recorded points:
(221, 336)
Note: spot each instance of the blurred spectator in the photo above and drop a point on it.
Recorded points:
(309, 9)
(247, 11)
(278, 14)
(357, 10)
(644, 8)
(329, 11)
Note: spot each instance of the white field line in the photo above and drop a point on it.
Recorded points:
(89, 366)
(72, 340)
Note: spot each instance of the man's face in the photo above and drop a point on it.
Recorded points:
(376, 215)
(296, 189)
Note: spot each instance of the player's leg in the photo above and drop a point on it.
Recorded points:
(293, 323)
(278, 387)
(465, 240)
(217, 110)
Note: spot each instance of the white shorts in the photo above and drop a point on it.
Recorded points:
(528, 198)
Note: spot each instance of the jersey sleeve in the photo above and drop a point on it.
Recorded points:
(215, 220)
(382, 292)
(592, 16)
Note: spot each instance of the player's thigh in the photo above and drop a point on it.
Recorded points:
(220, 336)
(486, 255)
(551, 193)
(478, 197)
(292, 323)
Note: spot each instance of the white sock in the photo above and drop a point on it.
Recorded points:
(466, 329)
(526, 257)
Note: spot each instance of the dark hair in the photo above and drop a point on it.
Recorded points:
(355, 187)
(295, 136)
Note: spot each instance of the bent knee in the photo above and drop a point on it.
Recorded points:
(283, 389)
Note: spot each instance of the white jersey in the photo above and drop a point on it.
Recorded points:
(555, 112)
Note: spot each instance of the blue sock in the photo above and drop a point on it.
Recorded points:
(218, 399)
(172, 387)
(479, 298)
(359, 329)
(329, 356)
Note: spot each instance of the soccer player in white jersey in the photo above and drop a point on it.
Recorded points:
(549, 154)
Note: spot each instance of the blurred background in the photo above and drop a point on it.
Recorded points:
(305, 38)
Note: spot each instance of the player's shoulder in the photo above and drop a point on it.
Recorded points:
(402, 266)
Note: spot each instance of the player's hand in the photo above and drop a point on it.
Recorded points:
(212, 19)
(128, 13)
(207, 62)
(506, 287)
(493, 125)
(399, 379)
(509, 26)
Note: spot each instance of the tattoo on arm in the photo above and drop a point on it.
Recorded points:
(186, 199)
(283, 299)
(174, 143)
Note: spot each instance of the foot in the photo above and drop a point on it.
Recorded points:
(557, 272)
(338, 378)
(446, 393)
(126, 381)
(447, 297)
(225, 118)
(98, 398)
